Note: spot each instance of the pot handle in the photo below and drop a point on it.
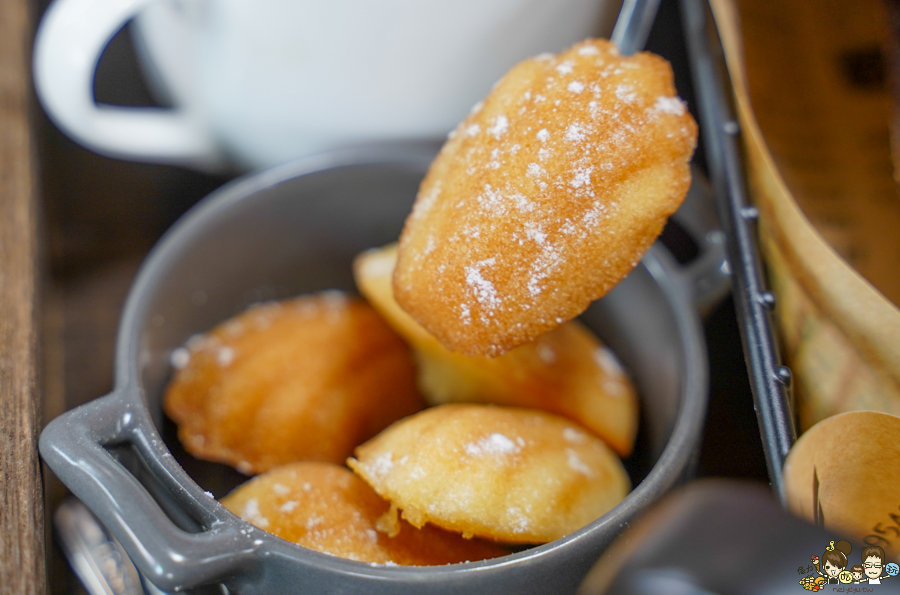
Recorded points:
(68, 44)
(74, 446)
(709, 274)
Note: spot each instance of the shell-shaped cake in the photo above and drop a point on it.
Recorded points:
(503, 473)
(327, 508)
(304, 379)
(544, 197)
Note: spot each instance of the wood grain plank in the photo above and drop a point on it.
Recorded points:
(22, 558)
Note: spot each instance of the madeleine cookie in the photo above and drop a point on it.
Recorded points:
(306, 379)
(544, 197)
(842, 473)
(503, 473)
(566, 371)
(327, 508)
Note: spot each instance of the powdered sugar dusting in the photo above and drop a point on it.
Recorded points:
(592, 217)
(522, 203)
(543, 135)
(288, 507)
(501, 124)
(626, 93)
(382, 465)
(607, 361)
(465, 314)
(546, 353)
(574, 133)
(613, 374)
(535, 170)
(582, 177)
(545, 263)
(533, 232)
(485, 292)
(574, 436)
(180, 358)
(576, 464)
(565, 68)
(251, 514)
(491, 200)
(225, 356)
(575, 87)
(495, 444)
(314, 521)
(198, 342)
(518, 519)
(494, 163)
(669, 105)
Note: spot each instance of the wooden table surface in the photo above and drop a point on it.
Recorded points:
(21, 499)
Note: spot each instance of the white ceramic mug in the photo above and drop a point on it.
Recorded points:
(259, 82)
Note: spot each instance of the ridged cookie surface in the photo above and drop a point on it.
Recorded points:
(304, 379)
(544, 197)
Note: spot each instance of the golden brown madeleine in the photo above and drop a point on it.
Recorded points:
(306, 379)
(503, 473)
(544, 197)
(843, 474)
(327, 508)
(566, 371)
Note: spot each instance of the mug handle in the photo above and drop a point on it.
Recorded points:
(69, 41)
(75, 446)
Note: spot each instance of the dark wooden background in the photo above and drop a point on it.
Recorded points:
(21, 504)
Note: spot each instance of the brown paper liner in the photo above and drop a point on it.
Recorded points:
(840, 336)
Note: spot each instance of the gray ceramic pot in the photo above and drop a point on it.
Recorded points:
(296, 229)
